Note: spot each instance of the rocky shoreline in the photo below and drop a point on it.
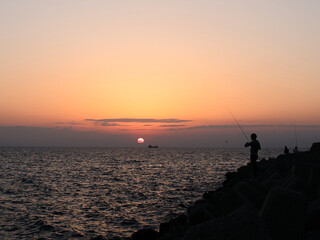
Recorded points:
(281, 202)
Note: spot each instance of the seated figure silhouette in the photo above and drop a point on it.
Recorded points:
(255, 147)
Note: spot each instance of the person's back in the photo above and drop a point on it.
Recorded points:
(255, 147)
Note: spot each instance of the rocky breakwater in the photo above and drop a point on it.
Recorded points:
(281, 202)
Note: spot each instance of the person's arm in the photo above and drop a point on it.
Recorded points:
(247, 144)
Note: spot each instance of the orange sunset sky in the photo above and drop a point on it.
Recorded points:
(103, 73)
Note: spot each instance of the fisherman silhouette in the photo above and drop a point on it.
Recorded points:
(255, 147)
(286, 150)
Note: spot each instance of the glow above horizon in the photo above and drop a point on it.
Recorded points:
(64, 62)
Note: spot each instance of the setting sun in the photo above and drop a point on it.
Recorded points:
(140, 140)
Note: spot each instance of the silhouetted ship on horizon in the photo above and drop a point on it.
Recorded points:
(152, 146)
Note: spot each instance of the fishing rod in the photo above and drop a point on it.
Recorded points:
(238, 125)
(295, 133)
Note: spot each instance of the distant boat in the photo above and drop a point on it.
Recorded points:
(152, 146)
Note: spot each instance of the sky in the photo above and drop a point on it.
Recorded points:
(176, 73)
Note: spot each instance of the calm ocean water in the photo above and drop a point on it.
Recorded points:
(78, 193)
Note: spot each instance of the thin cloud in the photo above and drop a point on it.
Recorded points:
(70, 123)
(212, 126)
(244, 126)
(106, 124)
(74, 123)
(170, 126)
(140, 120)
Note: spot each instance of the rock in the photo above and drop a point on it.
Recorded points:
(314, 178)
(308, 157)
(206, 203)
(270, 170)
(175, 227)
(145, 234)
(315, 148)
(303, 169)
(231, 201)
(257, 185)
(313, 235)
(284, 164)
(243, 224)
(314, 215)
(263, 165)
(200, 212)
(230, 175)
(284, 214)
(252, 194)
(231, 180)
(170, 236)
(214, 196)
(244, 172)
(273, 179)
(297, 184)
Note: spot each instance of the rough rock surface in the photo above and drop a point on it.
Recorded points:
(243, 224)
(284, 213)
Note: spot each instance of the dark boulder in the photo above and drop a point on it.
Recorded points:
(175, 227)
(313, 235)
(274, 179)
(303, 169)
(284, 214)
(269, 170)
(245, 172)
(315, 148)
(297, 184)
(314, 215)
(145, 234)
(243, 224)
(252, 194)
(232, 179)
(314, 178)
(259, 186)
(284, 164)
(230, 175)
(214, 196)
(263, 165)
(231, 201)
(202, 211)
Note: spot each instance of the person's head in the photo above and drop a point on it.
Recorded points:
(253, 136)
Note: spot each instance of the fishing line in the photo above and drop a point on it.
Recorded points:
(238, 125)
(295, 133)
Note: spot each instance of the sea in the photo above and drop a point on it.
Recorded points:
(81, 193)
